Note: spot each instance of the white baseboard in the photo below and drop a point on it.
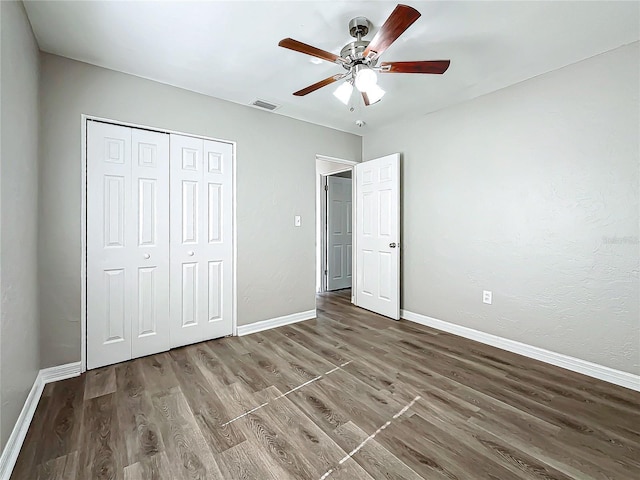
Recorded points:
(275, 322)
(617, 377)
(61, 372)
(14, 444)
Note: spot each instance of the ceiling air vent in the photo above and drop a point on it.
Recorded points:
(266, 105)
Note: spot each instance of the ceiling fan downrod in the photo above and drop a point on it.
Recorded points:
(352, 52)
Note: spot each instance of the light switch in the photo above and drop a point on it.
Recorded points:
(297, 220)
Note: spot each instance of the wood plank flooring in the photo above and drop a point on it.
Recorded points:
(317, 400)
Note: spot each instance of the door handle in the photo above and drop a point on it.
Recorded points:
(392, 245)
(146, 256)
(191, 253)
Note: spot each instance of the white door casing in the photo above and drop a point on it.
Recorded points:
(127, 243)
(378, 235)
(339, 233)
(201, 240)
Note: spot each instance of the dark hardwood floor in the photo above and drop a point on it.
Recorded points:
(331, 398)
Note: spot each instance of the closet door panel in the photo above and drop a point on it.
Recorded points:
(127, 243)
(218, 180)
(109, 273)
(186, 232)
(201, 240)
(150, 251)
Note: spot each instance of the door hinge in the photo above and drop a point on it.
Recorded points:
(326, 188)
(326, 272)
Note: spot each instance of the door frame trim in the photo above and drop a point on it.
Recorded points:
(84, 118)
(321, 210)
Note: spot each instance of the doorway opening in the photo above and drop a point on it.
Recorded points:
(334, 216)
(373, 252)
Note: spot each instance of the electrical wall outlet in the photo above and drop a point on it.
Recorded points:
(486, 297)
(297, 220)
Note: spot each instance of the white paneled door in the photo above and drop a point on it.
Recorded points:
(159, 242)
(378, 235)
(339, 233)
(201, 245)
(127, 243)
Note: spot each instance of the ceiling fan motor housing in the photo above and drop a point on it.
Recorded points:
(359, 27)
(352, 53)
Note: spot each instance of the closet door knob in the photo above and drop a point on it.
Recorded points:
(146, 256)
(191, 253)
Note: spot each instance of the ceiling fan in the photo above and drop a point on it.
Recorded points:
(360, 57)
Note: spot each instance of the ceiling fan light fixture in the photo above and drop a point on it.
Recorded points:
(343, 92)
(375, 94)
(360, 58)
(365, 78)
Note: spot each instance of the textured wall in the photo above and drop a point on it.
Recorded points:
(19, 351)
(531, 192)
(2, 439)
(275, 181)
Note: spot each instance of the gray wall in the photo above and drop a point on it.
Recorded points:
(2, 439)
(531, 192)
(20, 358)
(275, 174)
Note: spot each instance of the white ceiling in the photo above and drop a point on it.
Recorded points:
(230, 49)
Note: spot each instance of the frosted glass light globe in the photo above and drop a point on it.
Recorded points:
(365, 78)
(375, 94)
(343, 92)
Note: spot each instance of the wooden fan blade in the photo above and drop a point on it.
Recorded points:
(428, 66)
(365, 97)
(400, 19)
(320, 84)
(297, 46)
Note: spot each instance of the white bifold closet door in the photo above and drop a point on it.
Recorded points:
(159, 242)
(127, 243)
(201, 243)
